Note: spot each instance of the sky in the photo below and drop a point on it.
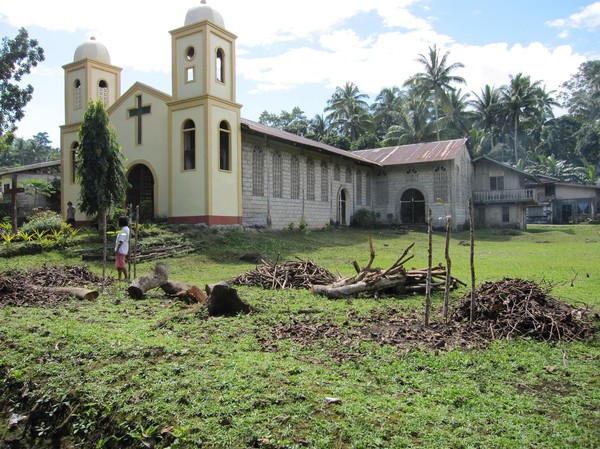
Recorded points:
(295, 53)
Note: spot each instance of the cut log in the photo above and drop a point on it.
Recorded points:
(141, 285)
(223, 300)
(79, 293)
(348, 290)
(174, 287)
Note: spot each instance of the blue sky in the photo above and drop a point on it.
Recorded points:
(295, 53)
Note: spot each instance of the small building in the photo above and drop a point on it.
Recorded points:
(501, 194)
(563, 202)
(29, 198)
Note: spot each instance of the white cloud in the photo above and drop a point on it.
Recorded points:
(588, 18)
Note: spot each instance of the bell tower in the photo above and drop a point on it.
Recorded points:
(204, 122)
(88, 77)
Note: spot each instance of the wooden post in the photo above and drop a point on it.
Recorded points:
(448, 267)
(14, 190)
(135, 246)
(472, 258)
(429, 258)
(130, 245)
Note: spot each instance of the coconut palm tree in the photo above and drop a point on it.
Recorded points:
(386, 108)
(486, 111)
(349, 111)
(519, 100)
(414, 123)
(436, 79)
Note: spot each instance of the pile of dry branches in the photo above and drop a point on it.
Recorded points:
(516, 307)
(396, 280)
(44, 286)
(286, 275)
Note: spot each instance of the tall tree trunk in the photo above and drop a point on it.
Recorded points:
(104, 248)
(515, 141)
(437, 118)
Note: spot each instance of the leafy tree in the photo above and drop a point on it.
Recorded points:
(30, 151)
(100, 169)
(38, 187)
(436, 79)
(17, 57)
(294, 122)
(456, 116)
(581, 94)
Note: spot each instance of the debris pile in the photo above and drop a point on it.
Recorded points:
(517, 307)
(287, 275)
(48, 286)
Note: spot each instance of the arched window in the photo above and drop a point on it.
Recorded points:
(258, 172)
(310, 180)
(77, 100)
(189, 145)
(277, 175)
(412, 176)
(103, 91)
(295, 178)
(220, 65)
(74, 147)
(324, 182)
(224, 146)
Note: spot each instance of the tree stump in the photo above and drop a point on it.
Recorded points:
(223, 300)
(141, 285)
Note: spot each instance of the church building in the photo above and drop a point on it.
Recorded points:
(192, 158)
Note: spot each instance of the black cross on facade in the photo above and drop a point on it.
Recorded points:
(138, 112)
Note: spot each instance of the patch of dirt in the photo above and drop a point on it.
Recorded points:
(20, 288)
(503, 310)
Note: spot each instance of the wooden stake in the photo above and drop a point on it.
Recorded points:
(429, 258)
(472, 258)
(448, 267)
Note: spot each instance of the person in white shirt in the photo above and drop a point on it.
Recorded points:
(122, 248)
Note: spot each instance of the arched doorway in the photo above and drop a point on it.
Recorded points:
(342, 208)
(412, 207)
(141, 192)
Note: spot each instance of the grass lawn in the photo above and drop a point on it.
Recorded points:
(107, 374)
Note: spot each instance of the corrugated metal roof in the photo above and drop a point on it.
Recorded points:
(295, 139)
(415, 153)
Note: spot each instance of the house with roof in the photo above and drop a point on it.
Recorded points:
(192, 158)
(16, 178)
(562, 202)
(501, 194)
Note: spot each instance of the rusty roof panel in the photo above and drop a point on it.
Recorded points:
(415, 153)
(295, 139)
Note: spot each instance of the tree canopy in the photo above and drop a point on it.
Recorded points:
(17, 57)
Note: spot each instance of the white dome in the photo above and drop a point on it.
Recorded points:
(92, 49)
(204, 12)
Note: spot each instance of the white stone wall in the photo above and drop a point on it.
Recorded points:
(279, 213)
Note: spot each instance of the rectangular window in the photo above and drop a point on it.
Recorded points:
(358, 188)
(496, 182)
(336, 172)
(189, 75)
(348, 175)
(277, 175)
(368, 189)
(550, 189)
(258, 172)
(505, 214)
(324, 182)
(310, 180)
(381, 192)
(295, 178)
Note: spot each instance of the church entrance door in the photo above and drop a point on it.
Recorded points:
(141, 192)
(412, 207)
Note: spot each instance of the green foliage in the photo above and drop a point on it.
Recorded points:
(100, 168)
(363, 218)
(43, 221)
(18, 57)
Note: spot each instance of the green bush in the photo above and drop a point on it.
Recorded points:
(363, 218)
(43, 221)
